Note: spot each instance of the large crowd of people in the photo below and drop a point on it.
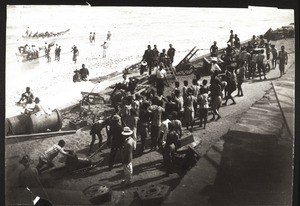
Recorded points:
(160, 115)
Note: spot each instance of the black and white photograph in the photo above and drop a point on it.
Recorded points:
(136, 105)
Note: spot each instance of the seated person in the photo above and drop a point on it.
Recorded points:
(76, 76)
(27, 97)
(36, 109)
(84, 73)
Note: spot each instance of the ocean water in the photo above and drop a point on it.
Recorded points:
(132, 28)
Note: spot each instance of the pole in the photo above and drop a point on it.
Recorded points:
(93, 154)
(41, 134)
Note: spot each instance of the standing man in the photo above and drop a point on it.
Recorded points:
(144, 117)
(91, 36)
(214, 50)
(253, 41)
(161, 74)
(108, 36)
(94, 37)
(75, 53)
(117, 140)
(127, 150)
(231, 38)
(189, 109)
(104, 46)
(260, 64)
(155, 53)
(47, 51)
(171, 53)
(274, 56)
(84, 73)
(57, 52)
(170, 148)
(236, 42)
(157, 110)
(96, 130)
(283, 60)
(148, 57)
(47, 157)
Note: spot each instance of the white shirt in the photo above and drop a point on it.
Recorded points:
(215, 67)
(160, 74)
(164, 127)
(126, 81)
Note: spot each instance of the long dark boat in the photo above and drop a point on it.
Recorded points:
(45, 34)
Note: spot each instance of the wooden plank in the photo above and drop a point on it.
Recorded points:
(41, 134)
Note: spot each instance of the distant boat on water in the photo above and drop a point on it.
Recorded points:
(37, 35)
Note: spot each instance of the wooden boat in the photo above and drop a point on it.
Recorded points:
(45, 34)
(27, 57)
(280, 33)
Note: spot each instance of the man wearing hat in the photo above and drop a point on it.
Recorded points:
(143, 67)
(28, 177)
(214, 50)
(128, 147)
(117, 140)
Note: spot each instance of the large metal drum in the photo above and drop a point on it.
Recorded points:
(35, 123)
(18, 125)
(41, 123)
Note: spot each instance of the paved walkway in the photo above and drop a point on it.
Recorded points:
(284, 90)
(252, 163)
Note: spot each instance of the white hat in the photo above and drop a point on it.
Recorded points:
(144, 63)
(127, 131)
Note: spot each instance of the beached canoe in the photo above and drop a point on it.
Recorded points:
(26, 57)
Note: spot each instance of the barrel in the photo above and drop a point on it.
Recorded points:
(18, 125)
(43, 122)
(35, 123)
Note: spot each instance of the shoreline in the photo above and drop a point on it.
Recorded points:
(254, 89)
(107, 80)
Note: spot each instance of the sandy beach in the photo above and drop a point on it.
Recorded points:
(147, 167)
(132, 30)
(52, 82)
